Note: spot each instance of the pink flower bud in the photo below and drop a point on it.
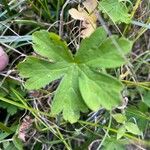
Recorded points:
(3, 59)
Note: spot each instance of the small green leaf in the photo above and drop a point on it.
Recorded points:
(121, 131)
(116, 10)
(120, 118)
(132, 128)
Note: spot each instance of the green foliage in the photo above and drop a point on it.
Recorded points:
(10, 108)
(7, 90)
(116, 10)
(140, 113)
(17, 143)
(3, 127)
(126, 125)
(83, 85)
(113, 144)
(120, 118)
(10, 146)
(147, 98)
(132, 128)
(121, 132)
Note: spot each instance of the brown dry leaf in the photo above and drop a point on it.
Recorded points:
(77, 15)
(89, 28)
(90, 5)
(88, 16)
(25, 125)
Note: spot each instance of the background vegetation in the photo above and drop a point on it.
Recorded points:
(25, 121)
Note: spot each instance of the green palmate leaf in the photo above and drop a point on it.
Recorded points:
(82, 85)
(116, 10)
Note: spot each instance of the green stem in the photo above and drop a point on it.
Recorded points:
(106, 134)
(135, 139)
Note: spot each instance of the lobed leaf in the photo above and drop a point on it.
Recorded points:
(40, 72)
(88, 45)
(51, 46)
(98, 89)
(116, 10)
(82, 85)
(103, 52)
(68, 98)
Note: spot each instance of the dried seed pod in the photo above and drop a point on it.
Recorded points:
(3, 59)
